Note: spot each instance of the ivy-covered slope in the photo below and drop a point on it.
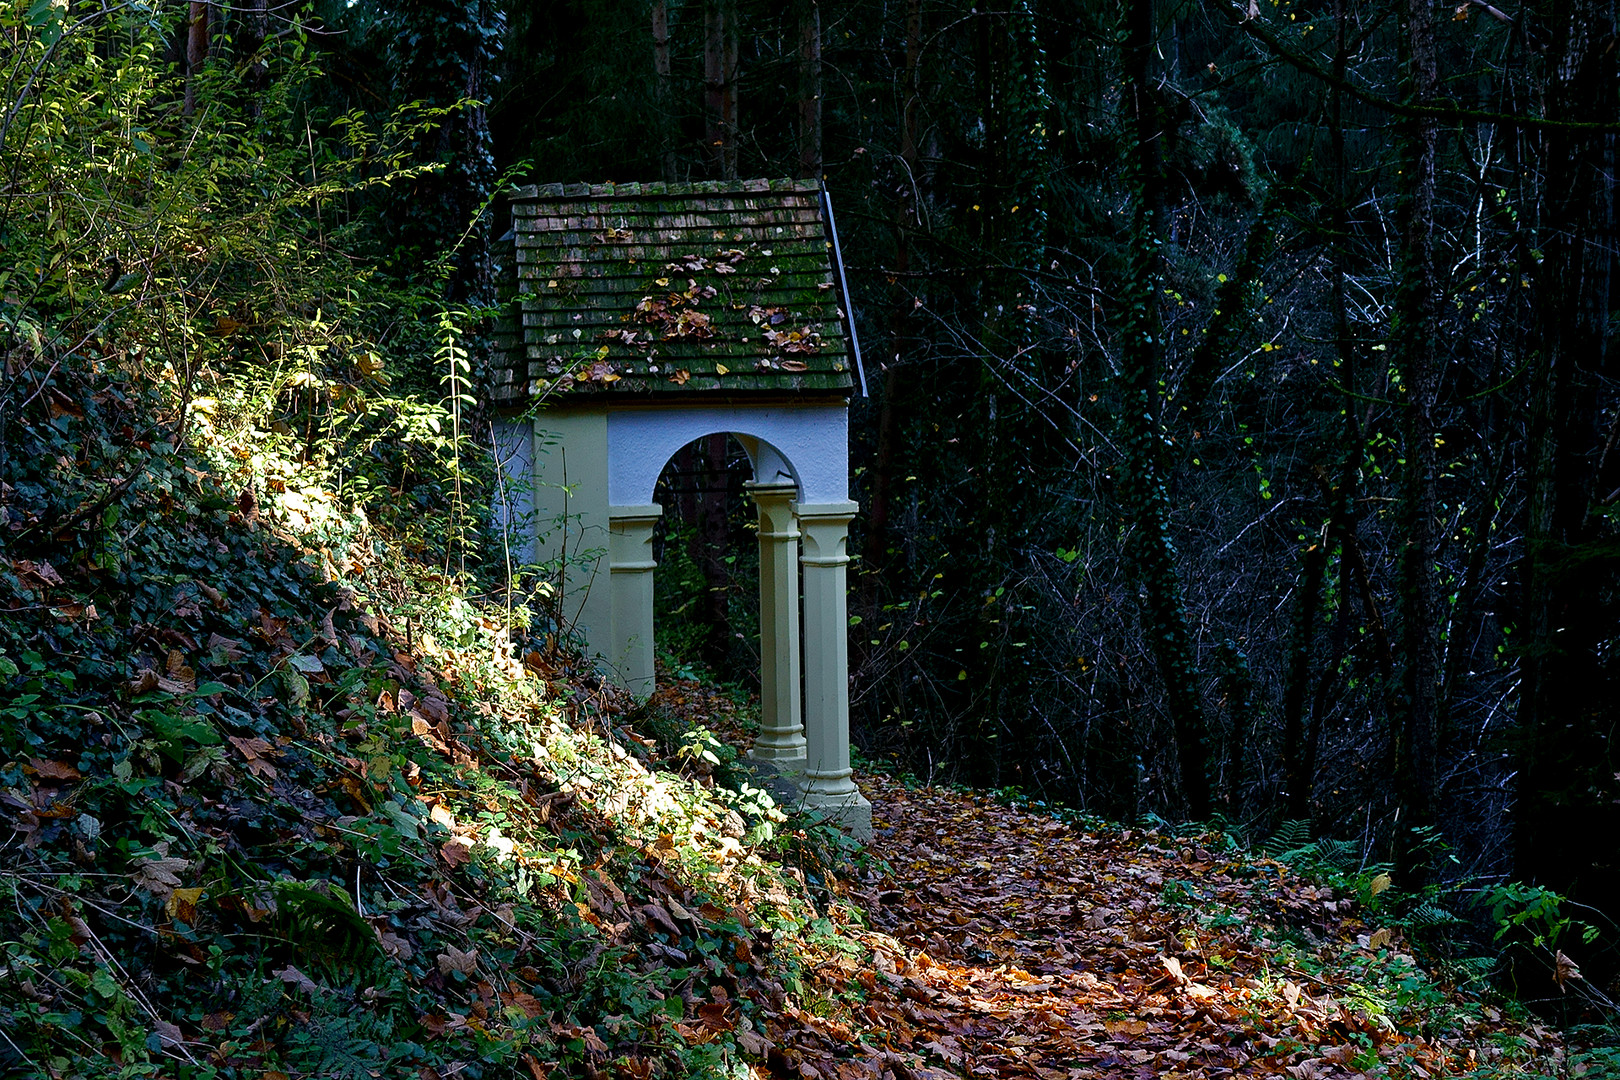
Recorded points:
(274, 802)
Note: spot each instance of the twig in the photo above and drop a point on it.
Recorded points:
(19, 1051)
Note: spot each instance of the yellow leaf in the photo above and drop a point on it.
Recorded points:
(602, 353)
(182, 904)
(1379, 884)
(721, 369)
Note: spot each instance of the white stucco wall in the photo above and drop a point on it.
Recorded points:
(513, 509)
(808, 444)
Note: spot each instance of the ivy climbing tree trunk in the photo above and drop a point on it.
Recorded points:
(442, 54)
(1143, 494)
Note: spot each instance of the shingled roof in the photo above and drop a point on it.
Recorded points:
(645, 290)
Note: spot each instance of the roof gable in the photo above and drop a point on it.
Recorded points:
(653, 289)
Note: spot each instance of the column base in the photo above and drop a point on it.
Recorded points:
(780, 778)
(850, 811)
(791, 754)
(785, 779)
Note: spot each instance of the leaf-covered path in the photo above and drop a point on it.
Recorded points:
(1004, 943)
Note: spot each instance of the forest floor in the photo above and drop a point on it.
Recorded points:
(978, 939)
(278, 801)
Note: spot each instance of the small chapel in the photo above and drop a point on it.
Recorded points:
(641, 317)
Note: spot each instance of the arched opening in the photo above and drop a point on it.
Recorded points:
(706, 598)
(726, 545)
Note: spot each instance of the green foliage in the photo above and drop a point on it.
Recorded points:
(1532, 914)
(683, 612)
(216, 251)
(1293, 835)
(241, 696)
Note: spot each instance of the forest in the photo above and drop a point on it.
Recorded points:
(1239, 438)
(1238, 452)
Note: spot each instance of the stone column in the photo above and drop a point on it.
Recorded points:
(826, 781)
(781, 736)
(632, 564)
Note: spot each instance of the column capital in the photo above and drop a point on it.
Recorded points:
(830, 512)
(649, 512)
(630, 533)
(775, 503)
(771, 489)
(826, 529)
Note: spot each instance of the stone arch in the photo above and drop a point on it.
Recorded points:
(595, 471)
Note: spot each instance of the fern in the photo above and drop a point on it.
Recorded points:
(1429, 914)
(1291, 836)
(321, 918)
(1339, 854)
(337, 1046)
(1470, 971)
(1292, 844)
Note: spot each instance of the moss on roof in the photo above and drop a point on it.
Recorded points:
(653, 289)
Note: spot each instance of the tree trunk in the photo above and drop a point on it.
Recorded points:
(253, 25)
(197, 35)
(1237, 691)
(905, 213)
(663, 90)
(720, 85)
(1142, 486)
(809, 90)
(1567, 710)
(713, 540)
(1417, 343)
(1297, 778)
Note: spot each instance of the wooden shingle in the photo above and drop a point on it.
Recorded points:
(647, 290)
